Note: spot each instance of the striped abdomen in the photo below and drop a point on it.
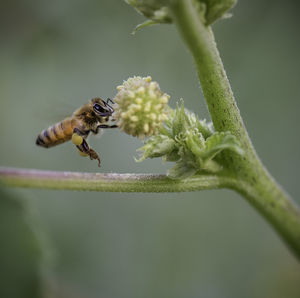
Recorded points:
(57, 133)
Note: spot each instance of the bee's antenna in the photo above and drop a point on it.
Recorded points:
(107, 103)
(110, 100)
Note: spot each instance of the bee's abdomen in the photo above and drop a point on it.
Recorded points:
(56, 134)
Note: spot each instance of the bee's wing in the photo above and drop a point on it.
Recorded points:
(55, 111)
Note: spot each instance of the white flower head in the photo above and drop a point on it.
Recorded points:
(141, 107)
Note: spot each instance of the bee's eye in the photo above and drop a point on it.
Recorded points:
(98, 109)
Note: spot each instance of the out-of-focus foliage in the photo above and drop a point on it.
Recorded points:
(20, 251)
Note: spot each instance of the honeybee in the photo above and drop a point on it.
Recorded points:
(91, 117)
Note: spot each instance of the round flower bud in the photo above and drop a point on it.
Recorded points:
(141, 107)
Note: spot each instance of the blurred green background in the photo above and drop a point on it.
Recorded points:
(55, 56)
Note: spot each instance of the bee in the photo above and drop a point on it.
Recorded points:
(91, 117)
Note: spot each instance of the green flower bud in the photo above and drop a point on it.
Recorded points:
(141, 107)
(191, 143)
(158, 146)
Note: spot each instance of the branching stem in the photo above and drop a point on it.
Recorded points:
(256, 184)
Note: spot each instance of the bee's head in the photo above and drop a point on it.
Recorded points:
(102, 108)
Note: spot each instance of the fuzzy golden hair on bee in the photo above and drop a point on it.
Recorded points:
(91, 117)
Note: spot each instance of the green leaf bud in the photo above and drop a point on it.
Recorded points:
(220, 141)
(215, 9)
(155, 10)
(181, 170)
(159, 11)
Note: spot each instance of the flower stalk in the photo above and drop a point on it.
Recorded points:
(110, 182)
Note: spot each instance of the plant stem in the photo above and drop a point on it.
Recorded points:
(256, 184)
(109, 182)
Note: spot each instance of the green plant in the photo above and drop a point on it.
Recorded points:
(206, 158)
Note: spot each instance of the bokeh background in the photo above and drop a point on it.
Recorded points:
(55, 56)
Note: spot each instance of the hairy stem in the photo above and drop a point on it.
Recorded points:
(109, 182)
(256, 184)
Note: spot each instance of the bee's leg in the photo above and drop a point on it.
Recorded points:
(106, 126)
(82, 145)
(94, 155)
(96, 131)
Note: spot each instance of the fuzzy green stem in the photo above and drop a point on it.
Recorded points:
(110, 182)
(256, 184)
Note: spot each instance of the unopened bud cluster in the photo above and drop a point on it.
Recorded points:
(141, 107)
(191, 143)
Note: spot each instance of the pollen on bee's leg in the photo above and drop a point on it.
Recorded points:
(77, 139)
(82, 153)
